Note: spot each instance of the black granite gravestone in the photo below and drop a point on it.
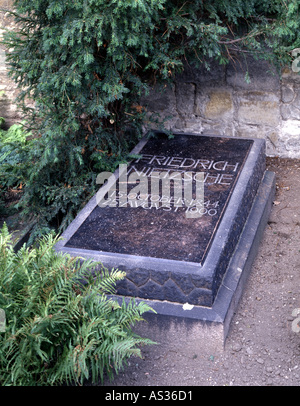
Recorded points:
(160, 231)
(171, 257)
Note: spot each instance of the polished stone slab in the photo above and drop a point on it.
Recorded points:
(169, 258)
(166, 232)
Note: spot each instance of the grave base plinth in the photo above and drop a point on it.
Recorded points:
(191, 271)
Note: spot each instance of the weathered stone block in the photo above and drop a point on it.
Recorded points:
(289, 76)
(220, 105)
(160, 99)
(214, 76)
(261, 74)
(185, 98)
(224, 128)
(287, 93)
(290, 136)
(2, 61)
(272, 140)
(260, 112)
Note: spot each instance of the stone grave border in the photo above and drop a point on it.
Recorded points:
(193, 317)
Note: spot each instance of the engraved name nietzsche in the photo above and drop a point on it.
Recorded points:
(166, 182)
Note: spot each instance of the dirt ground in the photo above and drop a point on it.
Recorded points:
(261, 347)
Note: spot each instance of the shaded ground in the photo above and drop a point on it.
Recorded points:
(261, 348)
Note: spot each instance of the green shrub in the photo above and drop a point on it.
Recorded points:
(14, 163)
(14, 148)
(86, 63)
(60, 324)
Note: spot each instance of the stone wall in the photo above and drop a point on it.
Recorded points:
(8, 89)
(222, 102)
